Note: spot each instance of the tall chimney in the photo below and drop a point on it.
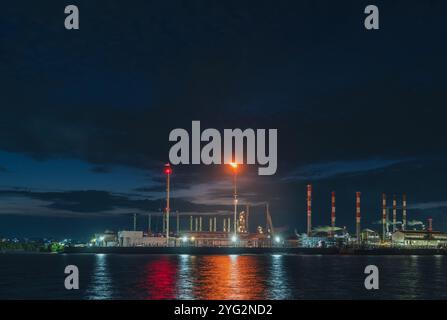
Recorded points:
(404, 211)
(357, 215)
(394, 212)
(215, 224)
(178, 223)
(200, 223)
(134, 222)
(383, 216)
(430, 224)
(211, 224)
(332, 212)
(309, 209)
(190, 223)
(225, 225)
(149, 224)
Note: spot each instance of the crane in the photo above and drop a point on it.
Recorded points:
(269, 220)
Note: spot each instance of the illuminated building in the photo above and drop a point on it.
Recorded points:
(419, 238)
(106, 239)
(369, 237)
(137, 239)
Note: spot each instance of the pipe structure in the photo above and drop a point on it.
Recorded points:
(134, 222)
(178, 223)
(394, 213)
(383, 216)
(190, 223)
(200, 224)
(210, 224)
(430, 224)
(149, 224)
(215, 224)
(246, 217)
(404, 211)
(225, 225)
(357, 215)
(309, 209)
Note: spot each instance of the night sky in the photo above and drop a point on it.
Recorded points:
(86, 114)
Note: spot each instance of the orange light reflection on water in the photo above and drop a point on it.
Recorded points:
(229, 277)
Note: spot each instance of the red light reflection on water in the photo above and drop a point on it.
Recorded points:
(160, 279)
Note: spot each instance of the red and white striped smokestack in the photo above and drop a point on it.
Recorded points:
(357, 215)
(430, 224)
(394, 212)
(404, 211)
(309, 209)
(383, 216)
(332, 212)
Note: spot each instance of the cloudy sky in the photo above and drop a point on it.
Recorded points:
(86, 114)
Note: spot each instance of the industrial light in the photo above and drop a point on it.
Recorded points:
(234, 238)
(167, 169)
(277, 239)
(192, 238)
(185, 239)
(101, 238)
(233, 164)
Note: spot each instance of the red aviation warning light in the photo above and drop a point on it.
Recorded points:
(167, 169)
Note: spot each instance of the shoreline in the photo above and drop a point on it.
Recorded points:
(240, 250)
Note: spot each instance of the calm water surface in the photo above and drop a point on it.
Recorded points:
(41, 276)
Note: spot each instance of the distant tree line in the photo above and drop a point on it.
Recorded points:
(30, 246)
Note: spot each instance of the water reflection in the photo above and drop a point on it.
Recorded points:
(204, 277)
(101, 283)
(411, 278)
(159, 280)
(281, 277)
(228, 277)
(185, 282)
(278, 288)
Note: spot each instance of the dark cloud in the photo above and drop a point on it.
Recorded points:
(102, 202)
(101, 169)
(328, 170)
(159, 188)
(209, 62)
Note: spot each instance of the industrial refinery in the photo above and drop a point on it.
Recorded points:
(232, 230)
